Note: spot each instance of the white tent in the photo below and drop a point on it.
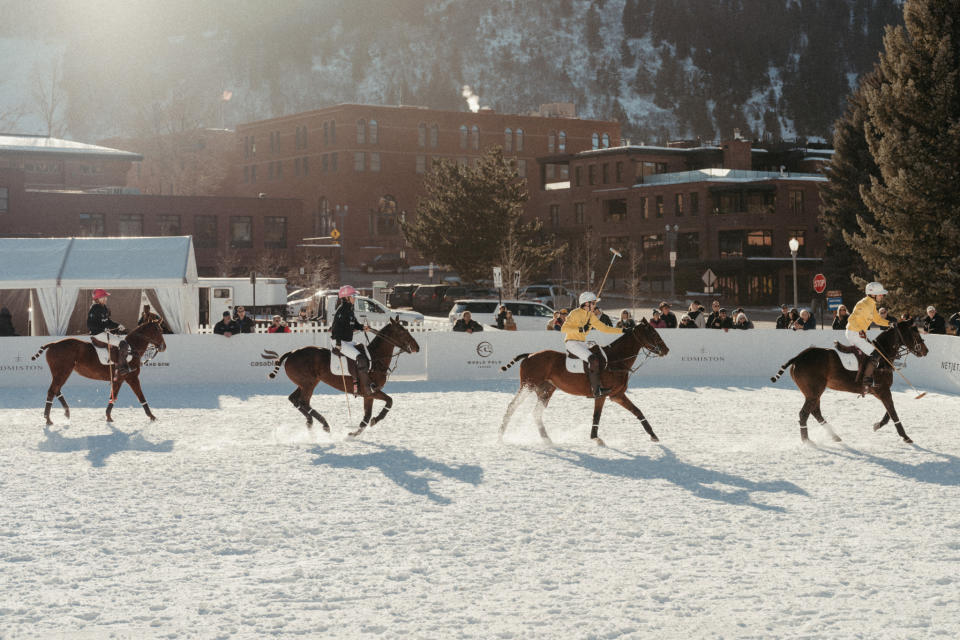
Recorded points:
(58, 268)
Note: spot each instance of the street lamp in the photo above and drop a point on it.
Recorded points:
(672, 248)
(794, 247)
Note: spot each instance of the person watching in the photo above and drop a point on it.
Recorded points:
(713, 319)
(840, 319)
(226, 327)
(467, 324)
(933, 322)
(626, 322)
(667, 315)
(784, 320)
(277, 325)
(244, 322)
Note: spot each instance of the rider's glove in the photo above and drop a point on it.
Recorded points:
(626, 330)
(863, 334)
(121, 328)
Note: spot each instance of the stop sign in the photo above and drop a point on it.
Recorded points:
(819, 283)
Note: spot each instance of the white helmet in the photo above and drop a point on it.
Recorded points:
(875, 289)
(587, 296)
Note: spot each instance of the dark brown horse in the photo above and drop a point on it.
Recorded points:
(815, 369)
(308, 366)
(71, 354)
(545, 371)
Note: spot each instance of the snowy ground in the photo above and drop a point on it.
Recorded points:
(225, 519)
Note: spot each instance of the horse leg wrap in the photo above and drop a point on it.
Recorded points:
(803, 434)
(594, 431)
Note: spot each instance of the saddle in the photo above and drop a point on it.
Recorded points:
(104, 351)
(861, 356)
(338, 362)
(576, 365)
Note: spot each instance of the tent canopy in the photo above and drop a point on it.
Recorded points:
(58, 268)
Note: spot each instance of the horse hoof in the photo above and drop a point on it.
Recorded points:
(837, 439)
(654, 438)
(907, 440)
(600, 443)
(877, 426)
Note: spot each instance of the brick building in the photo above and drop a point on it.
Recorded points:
(359, 168)
(728, 207)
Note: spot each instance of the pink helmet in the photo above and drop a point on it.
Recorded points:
(347, 290)
(99, 293)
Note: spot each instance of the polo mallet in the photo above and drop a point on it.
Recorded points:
(921, 394)
(616, 254)
(343, 380)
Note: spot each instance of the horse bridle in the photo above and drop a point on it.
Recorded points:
(903, 347)
(647, 352)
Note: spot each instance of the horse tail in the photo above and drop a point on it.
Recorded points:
(783, 368)
(278, 364)
(42, 349)
(520, 357)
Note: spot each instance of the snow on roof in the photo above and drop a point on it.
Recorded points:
(726, 175)
(17, 143)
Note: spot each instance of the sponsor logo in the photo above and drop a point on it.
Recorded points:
(269, 359)
(22, 363)
(952, 367)
(484, 349)
(703, 356)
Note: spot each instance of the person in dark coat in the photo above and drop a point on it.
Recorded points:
(667, 316)
(724, 321)
(933, 322)
(244, 322)
(226, 327)
(626, 322)
(6, 323)
(784, 320)
(101, 326)
(954, 323)
(341, 331)
(467, 324)
(840, 320)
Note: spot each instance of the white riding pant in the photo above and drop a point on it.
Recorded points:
(107, 337)
(578, 348)
(349, 350)
(853, 337)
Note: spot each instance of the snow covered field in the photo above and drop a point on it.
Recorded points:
(226, 519)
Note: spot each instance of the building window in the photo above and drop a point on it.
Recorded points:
(578, 213)
(326, 133)
(652, 248)
(730, 244)
(387, 219)
(361, 131)
(659, 206)
(519, 135)
(594, 141)
(373, 132)
(551, 142)
(324, 163)
(169, 225)
(275, 232)
(619, 172)
(688, 246)
(421, 164)
(333, 132)
(91, 225)
(759, 243)
(694, 203)
(800, 235)
(296, 166)
(550, 171)
(796, 202)
(475, 131)
(374, 161)
(205, 232)
(333, 162)
(421, 135)
(306, 165)
(592, 174)
(253, 173)
(359, 161)
(761, 202)
(644, 208)
(522, 168)
(4, 199)
(464, 136)
(434, 136)
(130, 225)
(615, 210)
(508, 140)
(562, 141)
(606, 173)
(246, 174)
(241, 232)
(578, 176)
(555, 215)
(606, 141)
(678, 204)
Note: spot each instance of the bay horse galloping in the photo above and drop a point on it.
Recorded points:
(545, 371)
(815, 369)
(72, 354)
(310, 365)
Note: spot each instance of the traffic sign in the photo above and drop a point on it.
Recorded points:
(834, 302)
(709, 278)
(819, 283)
(334, 234)
(497, 278)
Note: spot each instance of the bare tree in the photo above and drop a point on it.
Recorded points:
(313, 271)
(634, 279)
(270, 264)
(49, 96)
(228, 262)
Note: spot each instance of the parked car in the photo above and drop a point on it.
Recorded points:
(401, 295)
(324, 304)
(386, 262)
(552, 295)
(529, 315)
(458, 292)
(428, 298)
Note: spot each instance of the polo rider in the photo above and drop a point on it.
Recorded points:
(575, 329)
(858, 322)
(101, 327)
(341, 331)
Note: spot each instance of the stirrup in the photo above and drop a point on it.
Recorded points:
(599, 391)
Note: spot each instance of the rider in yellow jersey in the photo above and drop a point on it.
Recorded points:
(575, 329)
(863, 315)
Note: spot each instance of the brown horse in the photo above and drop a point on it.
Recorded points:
(70, 354)
(544, 372)
(815, 369)
(310, 365)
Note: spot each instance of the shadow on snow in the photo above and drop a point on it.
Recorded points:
(99, 448)
(696, 480)
(944, 472)
(402, 466)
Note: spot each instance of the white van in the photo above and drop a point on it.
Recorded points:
(366, 309)
(529, 315)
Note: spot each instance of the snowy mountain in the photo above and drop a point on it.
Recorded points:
(664, 68)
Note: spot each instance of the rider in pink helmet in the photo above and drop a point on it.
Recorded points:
(341, 332)
(101, 328)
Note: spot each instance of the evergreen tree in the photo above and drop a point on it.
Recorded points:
(468, 213)
(913, 133)
(851, 169)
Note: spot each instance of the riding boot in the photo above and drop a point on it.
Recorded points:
(363, 376)
(872, 363)
(593, 374)
(123, 350)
